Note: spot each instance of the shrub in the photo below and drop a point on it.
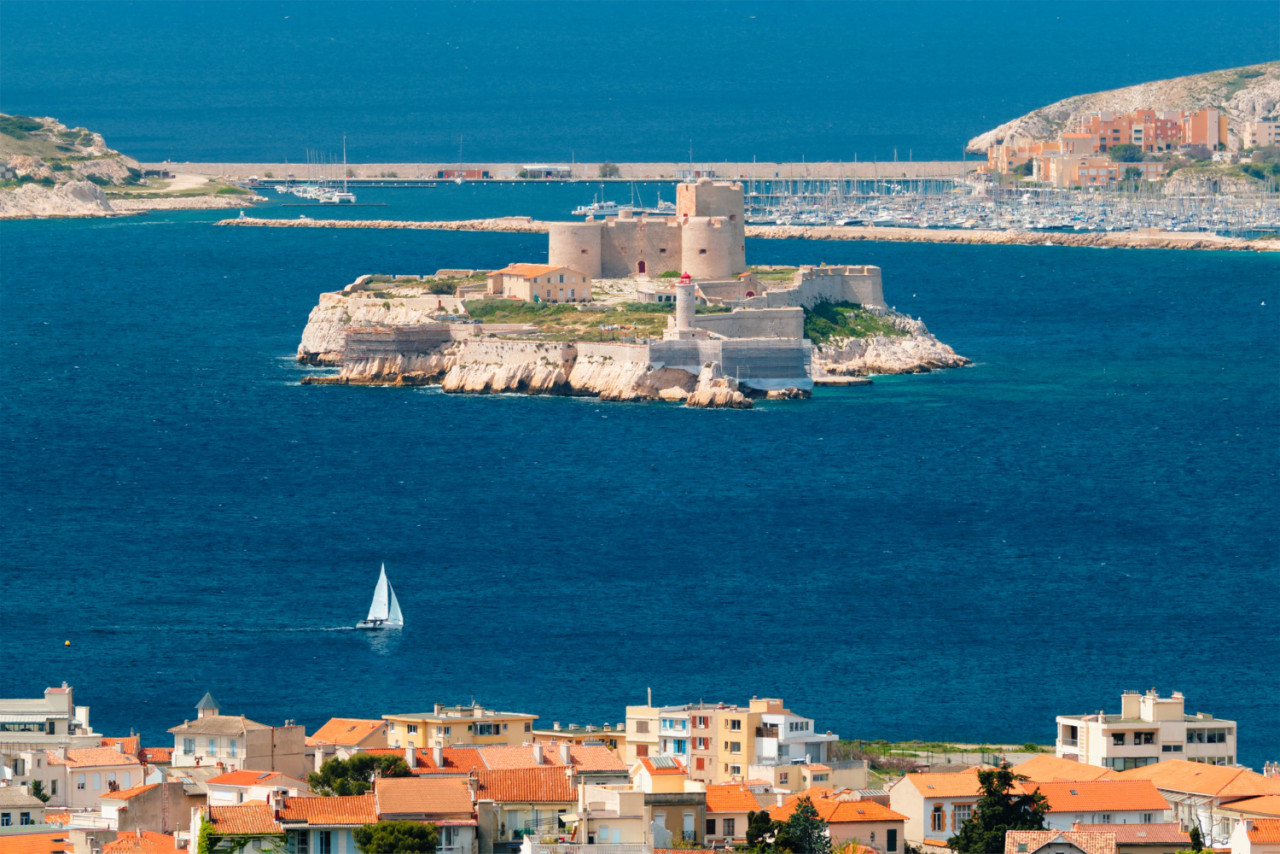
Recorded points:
(1125, 153)
(609, 170)
(18, 126)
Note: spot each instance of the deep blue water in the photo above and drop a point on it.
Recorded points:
(1090, 507)
(622, 81)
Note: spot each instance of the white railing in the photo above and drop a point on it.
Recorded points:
(531, 847)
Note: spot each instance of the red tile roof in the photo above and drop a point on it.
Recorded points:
(1101, 796)
(834, 808)
(423, 796)
(1162, 833)
(456, 760)
(36, 843)
(156, 755)
(256, 819)
(1046, 768)
(142, 842)
(348, 810)
(1267, 805)
(959, 785)
(57, 818)
(527, 785)
(1181, 775)
(92, 757)
(127, 794)
(345, 731)
(131, 743)
(1265, 830)
(731, 797)
(247, 778)
(1030, 841)
(526, 270)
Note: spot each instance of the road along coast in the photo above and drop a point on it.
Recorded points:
(1142, 239)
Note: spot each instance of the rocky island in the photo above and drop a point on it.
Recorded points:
(627, 308)
(50, 170)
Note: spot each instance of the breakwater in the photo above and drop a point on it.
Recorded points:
(1142, 239)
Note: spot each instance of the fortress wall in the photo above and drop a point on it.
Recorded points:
(616, 352)
(860, 285)
(761, 323)
(382, 342)
(626, 242)
(761, 363)
(553, 354)
(576, 245)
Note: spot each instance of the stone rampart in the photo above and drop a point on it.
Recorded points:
(383, 341)
(812, 285)
(760, 363)
(758, 323)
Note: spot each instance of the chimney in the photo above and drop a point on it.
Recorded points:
(438, 707)
(564, 753)
(537, 753)
(556, 726)
(779, 798)
(437, 756)
(411, 757)
(119, 745)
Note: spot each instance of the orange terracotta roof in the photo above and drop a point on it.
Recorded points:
(142, 842)
(156, 755)
(457, 760)
(423, 796)
(57, 818)
(677, 767)
(345, 731)
(1266, 830)
(818, 767)
(245, 778)
(528, 269)
(583, 757)
(527, 785)
(351, 810)
(92, 757)
(1030, 841)
(1181, 775)
(946, 785)
(834, 808)
(127, 794)
(1046, 768)
(730, 797)
(1266, 805)
(36, 843)
(1101, 796)
(255, 819)
(131, 743)
(1162, 833)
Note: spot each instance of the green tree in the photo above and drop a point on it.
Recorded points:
(759, 826)
(354, 776)
(1125, 153)
(804, 832)
(1197, 838)
(997, 811)
(609, 170)
(37, 791)
(1023, 170)
(397, 837)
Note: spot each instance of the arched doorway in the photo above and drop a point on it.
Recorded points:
(639, 266)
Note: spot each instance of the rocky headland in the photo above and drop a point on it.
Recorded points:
(50, 170)
(1248, 93)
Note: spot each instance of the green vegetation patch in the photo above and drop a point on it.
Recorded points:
(774, 274)
(828, 320)
(18, 126)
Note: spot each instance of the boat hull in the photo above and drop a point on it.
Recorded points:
(376, 625)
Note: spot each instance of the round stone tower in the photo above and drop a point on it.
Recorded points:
(707, 250)
(575, 245)
(686, 304)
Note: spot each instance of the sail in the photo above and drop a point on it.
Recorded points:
(394, 617)
(379, 608)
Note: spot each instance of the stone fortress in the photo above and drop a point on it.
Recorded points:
(753, 346)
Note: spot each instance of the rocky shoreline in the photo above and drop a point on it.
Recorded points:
(1144, 239)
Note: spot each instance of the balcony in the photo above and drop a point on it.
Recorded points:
(1068, 742)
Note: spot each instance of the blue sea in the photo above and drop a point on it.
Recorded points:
(1090, 507)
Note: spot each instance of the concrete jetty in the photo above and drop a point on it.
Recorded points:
(1142, 239)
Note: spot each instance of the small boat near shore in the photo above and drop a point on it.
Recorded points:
(384, 611)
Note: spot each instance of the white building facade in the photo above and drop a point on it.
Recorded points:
(1149, 729)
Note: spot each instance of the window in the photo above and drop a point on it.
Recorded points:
(491, 729)
(584, 252)
(734, 746)
(324, 842)
(1105, 818)
(820, 778)
(19, 767)
(642, 750)
(735, 724)
(1117, 738)
(562, 278)
(702, 252)
(1147, 818)
(124, 779)
(782, 777)
(53, 787)
(528, 727)
(891, 840)
(700, 763)
(727, 826)
(97, 782)
(231, 748)
(1022, 848)
(687, 828)
(6, 819)
(25, 818)
(873, 837)
(642, 726)
(188, 746)
(213, 747)
(711, 827)
(413, 729)
(1171, 748)
(111, 778)
(937, 821)
(960, 815)
(735, 770)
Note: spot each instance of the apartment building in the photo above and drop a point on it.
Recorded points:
(1149, 728)
(234, 742)
(1259, 134)
(446, 726)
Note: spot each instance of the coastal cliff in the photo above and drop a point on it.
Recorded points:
(915, 351)
(1244, 94)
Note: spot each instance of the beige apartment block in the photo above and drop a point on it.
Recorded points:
(1149, 729)
(446, 726)
(234, 742)
(1259, 134)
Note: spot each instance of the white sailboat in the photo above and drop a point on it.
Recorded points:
(384, 612)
